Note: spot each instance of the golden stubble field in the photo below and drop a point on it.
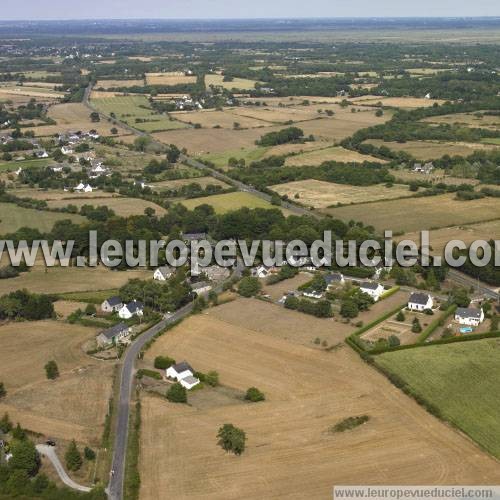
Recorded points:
(74, 405)
(290, 451)
(416, 214)
(339, 154)
(170, 78)
(321, 194)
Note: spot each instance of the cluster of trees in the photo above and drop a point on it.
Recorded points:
(285, 136)
(249, 286)
(25, 305)
(160, 296)
(320, 308)
(231, 439)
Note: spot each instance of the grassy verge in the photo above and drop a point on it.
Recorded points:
(132, 476)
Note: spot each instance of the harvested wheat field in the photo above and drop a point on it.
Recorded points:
(396, 102)
(69, 279)
(205, 141)
(321, 194)
(178, 183)
(223, 119)
(466, 233)
(57, 408)
(278, 115)
(430, 150)
(343, 124)
(416, 214)
(338, 154)
(475, 120)
(59, 194)
(111, 84)
(72, 117)
(124, 207)
(291, 453)
(172, 78)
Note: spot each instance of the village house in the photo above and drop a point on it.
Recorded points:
(313, 294)
(113, 304)
(427, 168)
(260, 272)
(113, 335)
(134, 308)
(334, 279)
(201, 288)
(184, 374)
(374, 290)
(215, 273)
(84, 188)
(469, 316)
(419, 301)
(66, 150)
(163, 273)
(41, 153)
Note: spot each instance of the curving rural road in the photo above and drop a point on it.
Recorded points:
(50, 453)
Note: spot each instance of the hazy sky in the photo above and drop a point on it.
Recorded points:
(191, 9)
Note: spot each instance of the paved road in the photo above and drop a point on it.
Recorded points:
(127, 376)
(469, 281)
(50, 453)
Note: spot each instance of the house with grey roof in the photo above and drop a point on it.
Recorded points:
(113, 335)
(419, 301)
(112, 304)
(469, 316)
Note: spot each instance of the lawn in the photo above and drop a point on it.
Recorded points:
(14, 165)
(13, 217)
(229, 201)
(459, 379)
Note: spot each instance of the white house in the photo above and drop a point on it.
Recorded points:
(134, 308)
(420, 301)
(469, 316)
(41, 153)
(201, 288)
(260, 272)
(113, 304)
(163, 273)
(179, 371)
(113, 335)
(374, 290)
(313, 294)
(85, 188)
(66, 150)
(189, 382)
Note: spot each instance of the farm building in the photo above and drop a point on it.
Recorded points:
(163, 273)
(113, 335)
(134, 308)
(469, 316)
(374, 290)
(420, 301)
(113, 304)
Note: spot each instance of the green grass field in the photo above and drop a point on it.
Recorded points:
(130, 108)
(13, 217)
(229, 201)
(249, 155)
(461, 380)
(14, 165)
(492, 140)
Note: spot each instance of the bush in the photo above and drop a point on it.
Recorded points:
(400, 316)
(3, 392)
(212, 378)
(144, 372)
(254, 395)
(73, 457)
(52, 370)
(416, 327)
(177, 394)
(350, 423)
(163, 362)
(231, 439)
(89, 453)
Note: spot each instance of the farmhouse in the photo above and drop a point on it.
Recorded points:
(113, 335)
(469, 316)
(66, 150)
(374, 290)
(113, 304)
(420, 301)
(179, 371)
(134, 308)
(163, 273)
(84, 188)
